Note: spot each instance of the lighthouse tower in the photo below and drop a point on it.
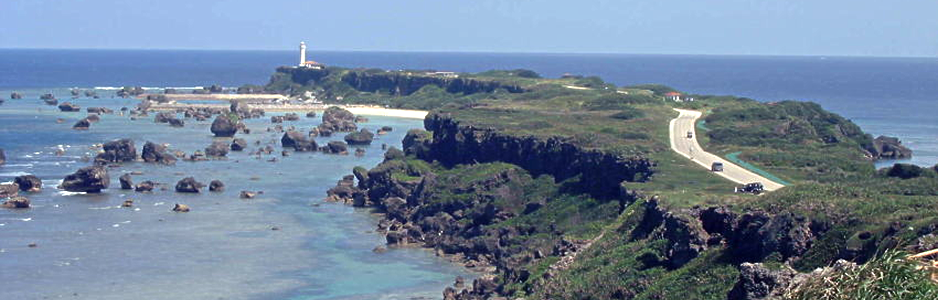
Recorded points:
(302, 53)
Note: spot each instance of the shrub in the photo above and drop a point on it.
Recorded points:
(888, 276)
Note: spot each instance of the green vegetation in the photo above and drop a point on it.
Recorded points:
(851, 210)
(888, 276)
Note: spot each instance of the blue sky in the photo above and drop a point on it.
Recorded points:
(758, 27)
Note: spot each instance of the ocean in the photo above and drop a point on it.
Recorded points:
(885, 96)
(90, 248)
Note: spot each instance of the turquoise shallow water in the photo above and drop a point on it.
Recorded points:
(90, 248)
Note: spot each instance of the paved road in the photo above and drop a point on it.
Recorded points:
(688, 147)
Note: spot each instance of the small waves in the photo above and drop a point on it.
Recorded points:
(113, 88)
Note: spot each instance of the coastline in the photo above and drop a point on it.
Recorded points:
(365, 110)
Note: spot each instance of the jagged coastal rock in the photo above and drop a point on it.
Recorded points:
(885, 147)
(189, 185)
(216, 186)
(337, 119)
(298, 141)
(224, 127)
(238, 144)
(363, 137)
(16, 202)
(217, 149)
(28, 183)
(69, 107)
(156, 153)
(82, 124)
(122, 150)
(127, 183)
(9, 190)
(88, 179)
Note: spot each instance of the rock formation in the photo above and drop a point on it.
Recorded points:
(363, 137)
(127, 183)
(122, 150)
(189, 185)
(88, 179)
(216, 186)
(28, 183)
(156, 153)
(224, 127)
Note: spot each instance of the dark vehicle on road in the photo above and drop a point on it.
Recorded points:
(716, 167)
(754, 187)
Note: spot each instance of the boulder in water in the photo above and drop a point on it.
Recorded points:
(3, 157)
(8, 190)
(82, 124)
(336, 147)
(216, 186)
(180, 208)
(88, 179)
(127, 183)
(217, 149)
(156, 153)
(145, 186)
(224, 127)
(298, 141)
(363, 137)
(238, 144)
(122, 150)
(28, 183)
(189, 185)
(16, 202)
(16, 96)
(69, 107)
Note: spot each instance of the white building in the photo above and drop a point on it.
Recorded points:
(307, 63)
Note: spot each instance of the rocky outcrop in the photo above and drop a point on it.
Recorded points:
(127, 183)
(217, 149)
(238, 144)
(99, 110)
(298, 141)
(336, 147)
(600, 173)
(757, 282)
(177, 123)
(216, 186)
(189, 185)
(337, 119)
(146, 186)
(16, 96)
(28, 183)
(17, 202)
(69, 107)
(122, 150)
(885, 147)
(180, 208)
(401, 84)
(82, 124)
(224, 127)
(88, 179)
(8, 190)
(311, 114)
(156, 153)
(164, 117)
(363, 137)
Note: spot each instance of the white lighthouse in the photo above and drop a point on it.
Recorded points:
(302, 53)
(307, 63)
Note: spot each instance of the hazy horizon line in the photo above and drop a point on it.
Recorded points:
(482, 52)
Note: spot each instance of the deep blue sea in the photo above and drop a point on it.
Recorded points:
(90, 248)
